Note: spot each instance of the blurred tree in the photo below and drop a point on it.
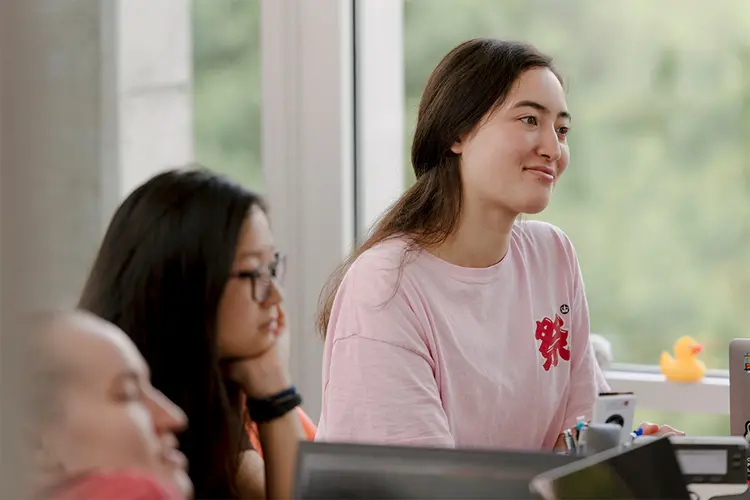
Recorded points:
(226, 62)
(657, 198)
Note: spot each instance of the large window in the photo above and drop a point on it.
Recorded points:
(227, 96)
(657, 196)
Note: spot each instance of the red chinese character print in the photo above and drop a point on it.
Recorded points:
(554, 341)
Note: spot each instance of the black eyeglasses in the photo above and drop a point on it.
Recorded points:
(261, 279)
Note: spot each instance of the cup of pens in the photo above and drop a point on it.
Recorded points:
(574, 438)
(589, 438)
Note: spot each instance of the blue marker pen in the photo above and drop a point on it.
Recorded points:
(636, 433)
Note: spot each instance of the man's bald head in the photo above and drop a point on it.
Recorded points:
(66, 347)
(75, 336)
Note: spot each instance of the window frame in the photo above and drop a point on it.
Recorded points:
(308, 161)
(654, 392)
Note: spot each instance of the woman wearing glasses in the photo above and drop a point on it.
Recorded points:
(189, 269)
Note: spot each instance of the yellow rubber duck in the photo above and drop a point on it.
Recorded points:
(684, 367)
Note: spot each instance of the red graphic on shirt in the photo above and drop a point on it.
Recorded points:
(554, 341)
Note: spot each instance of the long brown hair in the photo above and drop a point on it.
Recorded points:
(470, 81)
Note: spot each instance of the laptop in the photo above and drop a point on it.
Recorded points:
(650, 471)
(739, 387)
(352, 471)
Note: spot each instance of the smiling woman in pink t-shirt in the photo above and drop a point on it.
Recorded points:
(456, 324)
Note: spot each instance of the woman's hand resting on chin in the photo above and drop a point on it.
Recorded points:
(263, 375)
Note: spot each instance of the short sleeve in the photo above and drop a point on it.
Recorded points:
(383, 394)
(379, 375)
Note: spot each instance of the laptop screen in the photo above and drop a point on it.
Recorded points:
(327, 470)
(650, 471)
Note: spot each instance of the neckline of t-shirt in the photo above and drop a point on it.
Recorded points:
(466, 274)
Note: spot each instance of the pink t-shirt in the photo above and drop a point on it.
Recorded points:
(442, 355)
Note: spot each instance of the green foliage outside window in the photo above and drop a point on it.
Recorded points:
(657, 196)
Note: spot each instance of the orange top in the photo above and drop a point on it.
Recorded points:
(308, 427)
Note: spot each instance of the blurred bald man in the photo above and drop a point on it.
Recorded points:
(101, 429)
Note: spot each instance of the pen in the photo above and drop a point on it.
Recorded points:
(570, 443)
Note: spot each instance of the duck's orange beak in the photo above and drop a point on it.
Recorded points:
(696, 349)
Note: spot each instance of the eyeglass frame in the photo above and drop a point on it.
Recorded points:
(274, 272)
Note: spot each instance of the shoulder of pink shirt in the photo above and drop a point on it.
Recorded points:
(124, 485)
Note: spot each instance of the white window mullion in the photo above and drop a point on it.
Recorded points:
(307, 159)
(380, 107)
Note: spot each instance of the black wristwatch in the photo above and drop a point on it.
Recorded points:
(273, 407)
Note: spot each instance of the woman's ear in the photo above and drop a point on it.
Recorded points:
(458, 147)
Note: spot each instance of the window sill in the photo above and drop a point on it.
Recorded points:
(654, 392)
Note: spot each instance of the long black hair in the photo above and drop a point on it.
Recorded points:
(159, 276)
